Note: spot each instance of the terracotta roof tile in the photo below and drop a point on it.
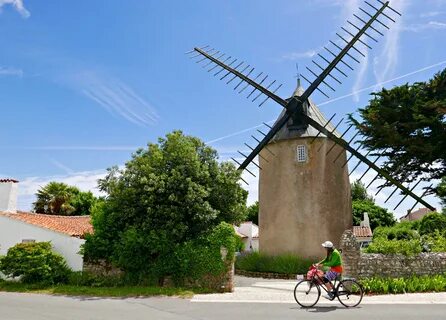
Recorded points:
(75, 226)
(362, 232)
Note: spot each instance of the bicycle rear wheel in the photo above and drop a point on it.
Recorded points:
(349, 293)
(306, 293)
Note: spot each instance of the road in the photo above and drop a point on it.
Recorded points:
(16, 306)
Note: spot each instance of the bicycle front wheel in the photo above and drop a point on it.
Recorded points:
(306, 293)
(349, 293)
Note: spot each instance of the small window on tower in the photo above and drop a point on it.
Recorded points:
(301, 153)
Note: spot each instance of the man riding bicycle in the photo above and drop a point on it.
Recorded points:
(334, 261)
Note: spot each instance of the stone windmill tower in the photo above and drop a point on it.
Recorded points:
(304, 186)
(304, 195)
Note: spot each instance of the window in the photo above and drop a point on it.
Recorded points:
(301, 155)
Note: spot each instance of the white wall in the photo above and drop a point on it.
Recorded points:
(8, 196)
(14, 231)
(251, 230)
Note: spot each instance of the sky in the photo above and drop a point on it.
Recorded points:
(85, 83)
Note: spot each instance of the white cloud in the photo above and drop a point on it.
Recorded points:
(299, 55)
(10, 71)
(116, 97)
(386, 62)
(431, 14)
(60, 165)
(18, 6)
(431, 25)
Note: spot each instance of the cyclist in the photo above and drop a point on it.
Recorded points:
(334, 261)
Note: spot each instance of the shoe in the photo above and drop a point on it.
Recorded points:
(329, 296)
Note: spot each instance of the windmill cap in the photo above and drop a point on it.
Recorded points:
(327, 244)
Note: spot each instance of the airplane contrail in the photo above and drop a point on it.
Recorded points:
(336, 99)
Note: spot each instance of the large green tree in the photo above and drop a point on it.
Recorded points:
(359, 192)
(362, 203)
(170, 193)
(441, 192)
(406, 124)
(58, 198)
(252, 213)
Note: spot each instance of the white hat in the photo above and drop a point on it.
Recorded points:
(327, 244)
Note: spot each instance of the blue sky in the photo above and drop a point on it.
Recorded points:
(85, 83)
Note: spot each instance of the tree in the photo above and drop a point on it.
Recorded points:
(82, 202)
(431, 222)
(407, 125)
(378, 216)
(441, 192)
(170, 193)
(359, 192)
(54, 198)
(252, 213)
(61, 199)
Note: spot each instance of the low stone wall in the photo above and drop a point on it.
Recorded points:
(395, 265)
(265, 275)
(101, 268)
(366, 265)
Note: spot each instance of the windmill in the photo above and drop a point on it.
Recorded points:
(292, 218)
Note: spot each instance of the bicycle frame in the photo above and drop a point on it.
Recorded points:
(319, 281)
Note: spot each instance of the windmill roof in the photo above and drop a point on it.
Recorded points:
(312, 111)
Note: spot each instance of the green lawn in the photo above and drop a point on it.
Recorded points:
(99, 291)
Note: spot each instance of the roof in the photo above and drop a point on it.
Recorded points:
(417, 214)
(247, 229)
(238, 233)
(311, 110)
(8, 180)
(362, 232)
(74, 226)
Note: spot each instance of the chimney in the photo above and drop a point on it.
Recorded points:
(366, 221)
(8, 195)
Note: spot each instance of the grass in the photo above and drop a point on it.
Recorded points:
(124, 291)
(284, 264)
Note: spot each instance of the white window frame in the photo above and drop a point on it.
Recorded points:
(301, 153)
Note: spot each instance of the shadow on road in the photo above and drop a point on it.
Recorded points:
(321, 309)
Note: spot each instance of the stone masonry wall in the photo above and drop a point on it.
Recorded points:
(365, 265)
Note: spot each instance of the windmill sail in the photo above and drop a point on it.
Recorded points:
(294, 106)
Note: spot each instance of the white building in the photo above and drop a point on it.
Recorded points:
(64, 232)
(363, 232)
(249, 233)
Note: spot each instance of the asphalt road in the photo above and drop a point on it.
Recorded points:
(14, 306)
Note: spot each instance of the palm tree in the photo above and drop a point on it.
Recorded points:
(54, 198)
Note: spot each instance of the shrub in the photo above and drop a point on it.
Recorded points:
(150, 258)
(431, 222)
(404, 247)
(286, 263)
(35, 263)
(405, 230)
(436, 242)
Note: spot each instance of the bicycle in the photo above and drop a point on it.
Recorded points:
(308, 291)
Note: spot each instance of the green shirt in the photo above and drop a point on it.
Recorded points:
(333, 260)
